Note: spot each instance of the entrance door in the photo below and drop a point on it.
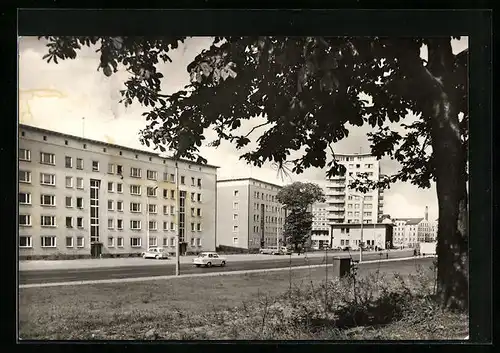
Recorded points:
(96, 250)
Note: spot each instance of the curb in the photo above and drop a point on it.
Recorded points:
(211, 274)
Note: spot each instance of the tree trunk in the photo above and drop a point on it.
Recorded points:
(449, 161)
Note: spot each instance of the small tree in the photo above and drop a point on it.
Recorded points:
(297, 198)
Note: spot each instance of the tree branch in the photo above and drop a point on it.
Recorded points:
(256, 127)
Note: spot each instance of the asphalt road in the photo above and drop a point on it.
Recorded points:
(164, 268)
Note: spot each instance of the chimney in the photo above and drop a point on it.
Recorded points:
(426, 213)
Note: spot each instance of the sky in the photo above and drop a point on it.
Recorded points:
(72, 97)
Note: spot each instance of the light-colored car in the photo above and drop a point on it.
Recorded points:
(274, 250)
(209, 259)
(155, 253)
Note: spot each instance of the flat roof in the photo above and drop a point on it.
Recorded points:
(365, 225)
(248, 179)
(102, 143)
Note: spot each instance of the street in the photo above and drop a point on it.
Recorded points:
(167, 267)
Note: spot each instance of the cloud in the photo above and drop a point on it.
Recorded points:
(58, 96)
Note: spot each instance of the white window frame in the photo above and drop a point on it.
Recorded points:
(155, 225)
(119, 188)
(199, 213)
(153, 173)
(172, 210)
(139, 245)
(112, 245)
(236, 205)
(152, 188)
(154, 209)
(135, 172)
(198, 227)
(112, 226)
(111, 168)
(52, 158)
(138, 187)
(119, 209)
(24, 155)
(110, 183)
(53, 225)
(28, 219)
(172, 194)
(112, 203)
(70, 185)
(27, 198)
(79, 226)
(236, 193)
(79, 183)
(138, 210)
(66, 159)
(192, 227)
(52, 177)
(119, 242)
(152, 244)
(66, 198)
(27, 174)
(192, 242)
(138, 222)
(81, 206)
(53, 198)
(118, 226)
(83, 242)
(79, 163)
(172, 226)
(95, 167)
(66, 242)
(236, 228)
(172, 242)
(198, 198)
(165, 241)
(199, 242)
(52, 237)
(235, 241)
(29, 242)
(165, 225)
(236, 216)
(66, 222)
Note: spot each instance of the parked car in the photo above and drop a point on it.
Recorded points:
(209, 259)
(155, 253)
(270, 250)
(286, 251)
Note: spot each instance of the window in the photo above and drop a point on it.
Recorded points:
(111, 224)
(236, 205)
(172, 210)
(79, 183)
(165, 225)
(235, 241)
(24, 155)
(69, 242)
(151, 191)
(199, 183)
(192, 196)
(192, 227)
(135, 242)
(172, 241)
(165, 193)
(199, 241)
(119, 224)
(25, 220)
(152, 175)
(135, 172)
(79, 163)
(235, 228)
(69, 201)
(192, 211)
(235, 217)
(135, 190)
(79, 222)
(198, 212)
(25, 198)
(47, 179)
(135, 207)
(110, 205)
(79, 242)
(111, 187)
(153, 225)
(119, 169)
(48, 242)
(192, 241)
(24, 176)
(69, 182)
(192, 181)
(183, 179)
(165, 209)
(68, 162)
(153, 241)
(111, 242)
(95, 166)
(199, 197)
(172, 226)
(119, 242)
(165, 242)
(47, 200)
(48, 221)
(172, 178)
(25, 242)
(119, 188)
(134, 224)
(198, 227)
(236, 193)
(111, 168)
(79, 202)
(172, 194)
(69, 222)
(119, 206)
(47, 158)
(152, 208)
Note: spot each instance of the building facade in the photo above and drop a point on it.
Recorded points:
(81, 197)
(249, 215)
(320, 233)
(408, 232)
(346, 205)
(375, 236)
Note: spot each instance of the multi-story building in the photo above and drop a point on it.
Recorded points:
(249, 215)
(409, 232)
(345, 205)
(376, 236)
(320, 233)
(82, 197)
(434, 230)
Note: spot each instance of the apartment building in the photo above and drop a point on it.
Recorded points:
(249, 215)
(81, 197)
(377, 235)
(346, 205)
(409, 232)
(320, 233)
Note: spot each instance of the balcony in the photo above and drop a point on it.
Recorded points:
(335, 202)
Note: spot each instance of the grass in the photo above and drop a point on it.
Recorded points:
(251, 306)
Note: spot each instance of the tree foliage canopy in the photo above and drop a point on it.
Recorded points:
(299, 196)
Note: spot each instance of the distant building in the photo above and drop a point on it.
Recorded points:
(320, 234)
(434, 230)
(408, 232)
(378, 235)
(248, 213)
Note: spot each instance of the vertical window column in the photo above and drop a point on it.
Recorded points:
(94, 210)
(182, 216)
